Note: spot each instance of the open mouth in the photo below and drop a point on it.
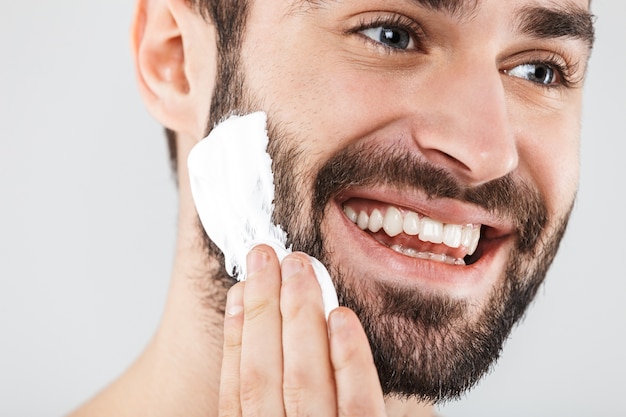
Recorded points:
(415, 235)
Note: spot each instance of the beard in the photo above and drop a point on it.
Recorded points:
(426, 346)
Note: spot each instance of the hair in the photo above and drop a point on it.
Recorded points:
(229, 19)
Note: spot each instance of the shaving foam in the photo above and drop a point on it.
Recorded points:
(232, 185)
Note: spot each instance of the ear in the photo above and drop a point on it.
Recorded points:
(175, 60)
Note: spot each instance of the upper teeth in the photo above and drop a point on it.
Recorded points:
(393, 222)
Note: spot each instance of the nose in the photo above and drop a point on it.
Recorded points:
(464, 125)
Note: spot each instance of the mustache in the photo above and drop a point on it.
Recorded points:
(363, 165)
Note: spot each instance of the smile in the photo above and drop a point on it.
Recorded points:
(415, 235)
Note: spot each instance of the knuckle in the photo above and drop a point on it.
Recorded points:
(232, 341)
(294, 380)
(300, 297)
(356, 408)
(290, 307)
(256, 308)
(293, 401)
(232, 344)
(228, 407)
(253, 391)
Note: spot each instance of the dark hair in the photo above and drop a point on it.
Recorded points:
(229, 19)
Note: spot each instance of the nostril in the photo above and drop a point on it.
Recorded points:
(474, 167)
(455, 161)
(455, 165)
(447, 161)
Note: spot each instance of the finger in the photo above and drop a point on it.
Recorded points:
(308, 383)
(358, 388)
(261, 350)
(229, 404)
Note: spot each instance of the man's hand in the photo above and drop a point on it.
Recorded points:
(280, 357)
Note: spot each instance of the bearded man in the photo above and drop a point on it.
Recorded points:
(426, 151)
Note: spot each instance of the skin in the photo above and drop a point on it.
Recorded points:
(458, 107)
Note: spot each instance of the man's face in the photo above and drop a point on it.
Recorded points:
(428, 155)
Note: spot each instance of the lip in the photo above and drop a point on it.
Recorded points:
(367, 257)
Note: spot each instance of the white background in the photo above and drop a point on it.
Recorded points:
(88, 212)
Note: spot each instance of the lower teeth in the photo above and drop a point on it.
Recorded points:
(438, 257)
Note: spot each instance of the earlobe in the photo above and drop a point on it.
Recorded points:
(175, 93)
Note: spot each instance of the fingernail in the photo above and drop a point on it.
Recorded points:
(256, 260)
(336, 321)
(291, 266)
(234, 303)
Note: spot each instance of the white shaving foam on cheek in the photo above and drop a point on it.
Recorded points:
(232, 185)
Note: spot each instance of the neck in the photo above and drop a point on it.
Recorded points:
(185, 354)
(178, 372)
(405, 408)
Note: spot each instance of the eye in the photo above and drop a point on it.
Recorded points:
(393, 37)
(544, 74)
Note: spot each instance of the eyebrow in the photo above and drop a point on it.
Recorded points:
(456, 8)
(556, 22)
(459, 9)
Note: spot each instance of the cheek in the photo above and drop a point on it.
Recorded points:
(320, 99)
(549, 156)
(351, 106)
(320, 117)
(316, 90)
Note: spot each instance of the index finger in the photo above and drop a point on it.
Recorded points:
(261, 351)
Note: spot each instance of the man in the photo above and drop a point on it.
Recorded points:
(425, 151)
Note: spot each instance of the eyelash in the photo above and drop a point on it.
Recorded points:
(564, 72)
(392, 21)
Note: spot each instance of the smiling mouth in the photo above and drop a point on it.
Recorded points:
(416, 235)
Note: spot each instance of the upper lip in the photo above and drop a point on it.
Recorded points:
(445, 210)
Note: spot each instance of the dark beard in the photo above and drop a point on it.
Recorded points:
(423, 345)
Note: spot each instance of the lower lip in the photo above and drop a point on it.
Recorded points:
(375, 259)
